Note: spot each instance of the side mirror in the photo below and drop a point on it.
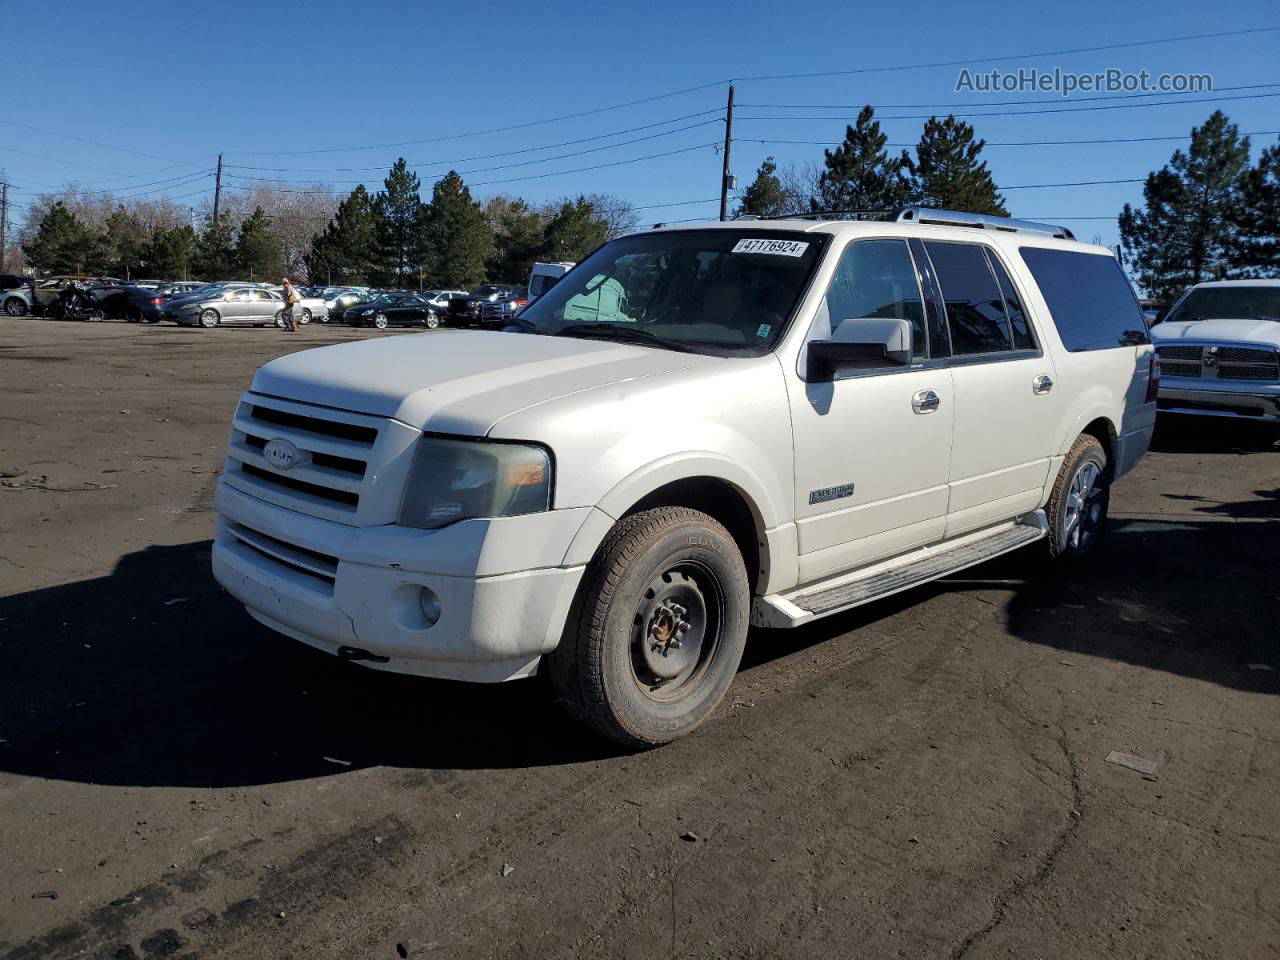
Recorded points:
(861, 343)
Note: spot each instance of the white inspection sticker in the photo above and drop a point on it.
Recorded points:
(780, 248)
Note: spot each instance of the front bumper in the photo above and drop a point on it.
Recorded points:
(504, 591)
(1244, 400)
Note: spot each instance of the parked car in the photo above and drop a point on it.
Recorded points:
(106, 301)
(793, 419)
(1219, 349)
(544, 276)
(468, 311)
(207, 291)
(178, 288)
(440, 298)
(15, 294)
(393, 310)
(338, 299)
(234, 306)
(47, 291)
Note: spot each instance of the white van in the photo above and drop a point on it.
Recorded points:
(544, 276)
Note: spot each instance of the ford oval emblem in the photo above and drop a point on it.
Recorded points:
(281, 454)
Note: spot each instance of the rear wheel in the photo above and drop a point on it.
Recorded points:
(1077, 508)
(306, 316)
(133, 315)
(280, 319)
(209, 319)
(657, 633)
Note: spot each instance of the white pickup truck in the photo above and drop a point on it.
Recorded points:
(698, 428)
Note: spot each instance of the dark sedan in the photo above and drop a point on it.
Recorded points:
(393, 310)
(106, 301)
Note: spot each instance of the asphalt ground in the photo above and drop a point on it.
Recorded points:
(922, 777)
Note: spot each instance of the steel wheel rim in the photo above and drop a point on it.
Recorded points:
(1084, 506)
(676, 630)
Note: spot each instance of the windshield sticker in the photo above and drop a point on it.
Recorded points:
(779, 248)
(763, 329)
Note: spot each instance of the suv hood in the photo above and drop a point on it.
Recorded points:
(459, 382)
(1237, 331)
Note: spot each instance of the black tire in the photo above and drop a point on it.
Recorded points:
(133, 315)
(306, 316)
(656, 634)
(15, 307)
(431, 322)
(1077, 508)
(209, 319)
(280, 319)
(380, 321)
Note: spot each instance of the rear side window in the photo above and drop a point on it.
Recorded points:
(1019, 326)
(1093, 306)
(975, 306)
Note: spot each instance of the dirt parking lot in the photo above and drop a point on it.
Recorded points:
(924, 777)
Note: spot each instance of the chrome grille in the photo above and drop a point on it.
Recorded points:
(341, 458)
(1213, 362)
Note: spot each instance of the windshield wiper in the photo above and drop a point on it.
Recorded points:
(622, 331)
(526, 325)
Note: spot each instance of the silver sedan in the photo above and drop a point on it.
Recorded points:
(237, 307)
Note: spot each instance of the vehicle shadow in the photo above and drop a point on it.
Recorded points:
(154, 676)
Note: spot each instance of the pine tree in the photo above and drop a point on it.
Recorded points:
(216, 251)
(457, 241)
(1186, 231)
(1258, 252)
(860, 174)
(517, 243)
(400, 221)
(574, 231)
(765, 197)
(125, 241)
(947, 173)
(346, 251)
(170, 253)
(257, 250)
(63, 244)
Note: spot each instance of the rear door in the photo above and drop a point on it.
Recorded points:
(1006, 405)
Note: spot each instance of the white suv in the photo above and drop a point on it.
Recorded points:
(698, 428)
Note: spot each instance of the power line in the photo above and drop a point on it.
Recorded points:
(990, 103)
(96, 143)
(1030, 113)
(1012, 143)
(973, 61)
(522, 163)
(483, 156)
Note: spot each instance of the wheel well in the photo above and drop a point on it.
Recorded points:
(724, 502)
(1102, 430)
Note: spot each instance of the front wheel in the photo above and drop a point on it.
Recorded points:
(209, 319)
(15, 307)
(1077, 508)
(657, 633)
(431, 322)
(380, 321)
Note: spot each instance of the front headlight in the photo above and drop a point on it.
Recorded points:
(453, 480)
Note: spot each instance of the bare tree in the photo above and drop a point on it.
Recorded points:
(295, 215)
(800, 184)
(620, 215)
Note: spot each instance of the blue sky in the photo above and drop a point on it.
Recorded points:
(169, 85)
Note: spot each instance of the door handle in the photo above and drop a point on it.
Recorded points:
(1042, 384)
(925, 401)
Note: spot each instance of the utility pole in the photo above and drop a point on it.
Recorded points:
(728, 143)
(217, 190)
(4, 220)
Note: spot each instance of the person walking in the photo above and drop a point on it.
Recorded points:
(291, 300)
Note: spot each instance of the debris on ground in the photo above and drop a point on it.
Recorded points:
(508, 869)
(341, 763)
(42, 483)
(11, 472)
(45, 895)
(1261, 666)
(406, 948)
(125, 901)
(690, 837)
(1133, 763)
(170, 603)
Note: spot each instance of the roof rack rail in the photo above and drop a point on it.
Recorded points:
(865, 214)
(984, 221)
(949, 218)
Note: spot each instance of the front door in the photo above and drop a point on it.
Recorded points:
(872, 445)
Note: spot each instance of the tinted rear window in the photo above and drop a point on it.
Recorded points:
(1093, 306)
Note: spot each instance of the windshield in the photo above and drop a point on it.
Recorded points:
(1229, 303)
(725, 291)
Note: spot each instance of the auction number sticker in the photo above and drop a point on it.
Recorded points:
(779, 248)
